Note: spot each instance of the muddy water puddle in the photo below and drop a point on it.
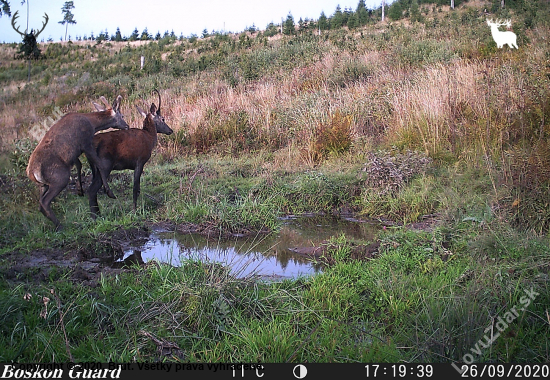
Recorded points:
(270, 256)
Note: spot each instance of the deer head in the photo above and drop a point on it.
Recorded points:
(160, 124)
(498, 23)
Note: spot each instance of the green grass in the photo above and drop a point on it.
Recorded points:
(432, 302)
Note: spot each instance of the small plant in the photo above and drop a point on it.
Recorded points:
(330, 139)
(387, 173)
(19, 157)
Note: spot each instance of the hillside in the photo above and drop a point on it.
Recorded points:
(419, 122)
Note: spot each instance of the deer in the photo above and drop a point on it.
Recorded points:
(51, 161)
(125, 150)
(502, 38)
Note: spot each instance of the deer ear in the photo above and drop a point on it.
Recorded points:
(116, 103)
(98, 107)
(153, 109)
(102, 98)
(142, 112)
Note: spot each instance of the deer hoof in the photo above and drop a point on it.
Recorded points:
(110, 194)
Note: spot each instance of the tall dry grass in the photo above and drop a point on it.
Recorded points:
(426, 94)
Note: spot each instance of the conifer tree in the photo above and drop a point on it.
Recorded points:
(145, 36)
(288, 26)
(68, 17)
(362, 13)
(5, 8)
(337, 19)
(135, 35)
(323, 22)
(118, 35)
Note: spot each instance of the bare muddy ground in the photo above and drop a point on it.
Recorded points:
(84, 265)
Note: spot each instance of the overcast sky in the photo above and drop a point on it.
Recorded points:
(187, 17)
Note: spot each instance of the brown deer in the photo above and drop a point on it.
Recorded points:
(125, 150)
(51, 161)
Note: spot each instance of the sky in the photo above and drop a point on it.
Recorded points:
(182, 16)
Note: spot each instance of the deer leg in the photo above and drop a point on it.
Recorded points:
(79, 189)
(94, 160)
(137, 179)
(92, 193)
(43, 189)
(46, 198)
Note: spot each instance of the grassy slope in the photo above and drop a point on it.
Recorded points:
(277, 124)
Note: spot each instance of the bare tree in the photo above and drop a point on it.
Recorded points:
(383, 6)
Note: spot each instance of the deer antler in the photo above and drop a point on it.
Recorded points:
(158, 93)
(15, 17)
(43, 25)
(503, 22)
(509, 23)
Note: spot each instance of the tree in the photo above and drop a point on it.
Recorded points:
(135, 35)
(362, 13)
(118, 35)
(288, 26)
(68, 17)
(5, 8)
(346, 15)
(383, 8)
(337, 19)
(271, 30)
(353, 21)
(145, 35)
(396, 11)
(157, 36)
(323, 22)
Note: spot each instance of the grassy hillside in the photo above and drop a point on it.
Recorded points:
(420, 121)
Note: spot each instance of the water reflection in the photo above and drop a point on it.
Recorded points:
(260, 255)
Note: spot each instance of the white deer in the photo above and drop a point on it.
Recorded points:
(502, 38)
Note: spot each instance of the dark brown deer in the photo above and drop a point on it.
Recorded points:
(125, 150)
(51, 162)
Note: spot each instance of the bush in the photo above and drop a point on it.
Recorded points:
(424, 52)
(528, 176)
(387, 173)
(233, 130)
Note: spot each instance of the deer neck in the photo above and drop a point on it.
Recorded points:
(149, 127)
(101, 120)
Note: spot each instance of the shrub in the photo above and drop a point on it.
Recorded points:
(387, 173)
(330, 139)
(233, 129)
(528, 176)
(424, 52)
